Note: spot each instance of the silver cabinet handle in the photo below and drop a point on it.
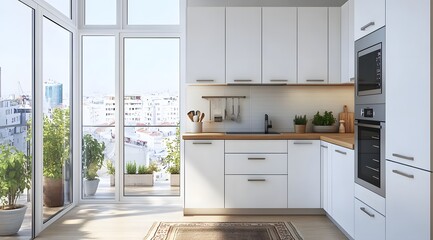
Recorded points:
(341, 152)
(242, 80)
(366, 212)
(256, 158)
(202, 143)
(315, 80)
(256, 180)
(375, 146)
(403, 157)
(279, 80)
(323, 146)
(204, 80)
(367, 25)
(302, 143)
(403, 174)
(368, 125)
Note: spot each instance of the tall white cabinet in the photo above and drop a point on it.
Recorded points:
(312, 45)
(243, 49)
(408, 98)
(279, 59)
(347, 42)
(205, 48)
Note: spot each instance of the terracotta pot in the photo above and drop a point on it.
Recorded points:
(300, 128)
(53, 192)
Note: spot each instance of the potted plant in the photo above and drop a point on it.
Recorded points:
(14, 179)
(56, 153)
(111, 170)
(300, 123)
(172, 160)
(325, 122)
(131, 170)
(146, 174)
(92, 160)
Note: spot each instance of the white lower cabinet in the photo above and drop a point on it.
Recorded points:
(303, 173)
(204, 174)
(370, 225)
(408, 202)
(256, 191)
(326, 179)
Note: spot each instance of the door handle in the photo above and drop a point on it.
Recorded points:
(367, 25)
(403, 174)
(256, 180)
(403, 157)
(251, 158)
(341, 152)
(366, 212)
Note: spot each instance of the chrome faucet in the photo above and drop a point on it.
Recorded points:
(268, 123)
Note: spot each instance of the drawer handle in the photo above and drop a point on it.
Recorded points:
(366, 212)
(204, 80)
(323, 146)
(341, 152)
(315, 80)
(256, 158)
(202, 143)
(302, 143)
(375, 146)
(242, 80)
(367, 25)
(374, 169)
(403, 174)
(256, 180)
(404, 157)
(279, 80)
(368, 125)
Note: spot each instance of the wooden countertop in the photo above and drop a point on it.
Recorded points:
(346, 140)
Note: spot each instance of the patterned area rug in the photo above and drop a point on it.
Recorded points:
(223, 231)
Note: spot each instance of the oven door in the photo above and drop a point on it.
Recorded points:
(370, 155)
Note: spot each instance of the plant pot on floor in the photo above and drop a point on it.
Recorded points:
(53, 192)
(300, 128)
(11, 220)
(174, 180)
(90, 187)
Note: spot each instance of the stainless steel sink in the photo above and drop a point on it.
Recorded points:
(252, 133)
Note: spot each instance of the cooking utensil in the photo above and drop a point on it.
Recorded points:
(225, 109)
(191, 115)
(238, 117)
(197, 112)
(233, 116)
(201, 117)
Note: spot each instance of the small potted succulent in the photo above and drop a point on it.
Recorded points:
(324, 123)
(300, 123)
(14, 179)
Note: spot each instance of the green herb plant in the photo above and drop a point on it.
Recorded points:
(172, 160)
(111, 170)
(131, 167)
(300, 120)
(92, 156)
(142, 169)
(327, 119)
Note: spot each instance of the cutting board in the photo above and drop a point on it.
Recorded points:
(348, 118)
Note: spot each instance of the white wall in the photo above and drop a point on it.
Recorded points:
(281, 103)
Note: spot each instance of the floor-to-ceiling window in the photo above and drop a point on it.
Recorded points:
(16, 97)
(130, 98)
(57, 111)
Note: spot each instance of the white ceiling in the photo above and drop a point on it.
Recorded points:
(267, 3)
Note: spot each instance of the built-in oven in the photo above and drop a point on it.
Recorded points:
(370, 68)
(370, 147)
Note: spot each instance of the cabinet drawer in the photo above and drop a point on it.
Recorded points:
(256, 163)
(369, 224)
(256, 191)
(256, 146)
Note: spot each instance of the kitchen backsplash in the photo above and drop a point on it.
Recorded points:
(281, 103)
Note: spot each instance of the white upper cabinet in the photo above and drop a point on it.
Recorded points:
(206, 45)
(347, 42)
(279, 45)
(243, 49)
(334, 45)
(408, 83)
(312, 45)
(369, 16)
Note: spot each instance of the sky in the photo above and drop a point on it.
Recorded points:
(152, 64)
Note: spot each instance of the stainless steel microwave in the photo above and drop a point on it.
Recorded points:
(370, 68)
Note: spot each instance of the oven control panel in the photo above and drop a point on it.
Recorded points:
(367, 112)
